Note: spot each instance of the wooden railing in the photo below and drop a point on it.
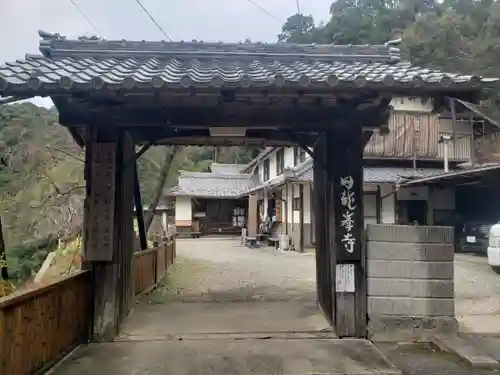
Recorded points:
(150, 265)
(40, 325)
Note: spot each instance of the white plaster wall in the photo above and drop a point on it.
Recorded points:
(289, 157)
(307, 204)
(261, 170)
(183, 208)
(413, 104)
(272, 165)
(388, 214)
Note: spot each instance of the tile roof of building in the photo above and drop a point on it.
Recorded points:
(213, 185)
(226, 168)
(373, 174)
(95, 64)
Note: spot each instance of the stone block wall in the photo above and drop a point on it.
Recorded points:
(410, 280)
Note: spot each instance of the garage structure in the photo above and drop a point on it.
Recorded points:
(113, 95)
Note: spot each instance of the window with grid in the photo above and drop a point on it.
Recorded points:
(302, 155)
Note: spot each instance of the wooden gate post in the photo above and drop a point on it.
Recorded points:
(324, 261)
(345, 174)
(108, 229)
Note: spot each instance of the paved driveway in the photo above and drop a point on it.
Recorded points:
(477, 294)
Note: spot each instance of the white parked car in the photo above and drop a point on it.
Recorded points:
(494, 248)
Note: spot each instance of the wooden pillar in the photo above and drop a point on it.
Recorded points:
(324, 261)
(346, 231)
(301, 217)
(108, 223)
(126, 234)
(253, 224)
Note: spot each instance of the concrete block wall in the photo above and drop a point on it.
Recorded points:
(410, 277)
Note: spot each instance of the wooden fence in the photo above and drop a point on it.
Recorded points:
(40, 325)
(150, 265)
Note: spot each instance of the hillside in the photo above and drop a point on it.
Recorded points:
(42, 186)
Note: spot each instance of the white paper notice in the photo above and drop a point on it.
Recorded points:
(345, 278)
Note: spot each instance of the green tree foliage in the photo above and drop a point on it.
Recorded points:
(454, 35)
(42, 186)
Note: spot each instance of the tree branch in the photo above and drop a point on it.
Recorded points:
(167, 162)
(65, 152)
(59, 193)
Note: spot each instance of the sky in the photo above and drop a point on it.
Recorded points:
(207, 20)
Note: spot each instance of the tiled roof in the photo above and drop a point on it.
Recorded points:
(212, 185)
(226, 168)
(93, 64)
(373, 174)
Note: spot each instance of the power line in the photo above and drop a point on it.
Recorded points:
(152, 19)
(263, 10)
(85, 16)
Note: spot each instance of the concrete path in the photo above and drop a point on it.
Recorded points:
(424, 359)
(226, 319)
(227, 309)
(477, 295)
(217, 357)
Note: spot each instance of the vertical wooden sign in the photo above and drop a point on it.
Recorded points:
(100, 224)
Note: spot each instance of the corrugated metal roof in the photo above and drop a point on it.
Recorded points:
(94, 64)
(454, 176)
(410, 135)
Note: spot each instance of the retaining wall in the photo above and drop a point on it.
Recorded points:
(410, 281)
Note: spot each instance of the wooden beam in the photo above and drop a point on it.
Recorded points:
(139, 212)
(226, 115)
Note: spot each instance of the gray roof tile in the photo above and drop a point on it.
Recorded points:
(226, 168)
(213, 185)
(374, 174)
(89, 64)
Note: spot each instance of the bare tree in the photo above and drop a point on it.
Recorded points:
(170, 153)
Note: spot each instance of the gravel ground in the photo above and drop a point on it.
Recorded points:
(477, 287)
(215, 269)
(477, 295)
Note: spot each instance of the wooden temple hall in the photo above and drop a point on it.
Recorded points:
(114, 96)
